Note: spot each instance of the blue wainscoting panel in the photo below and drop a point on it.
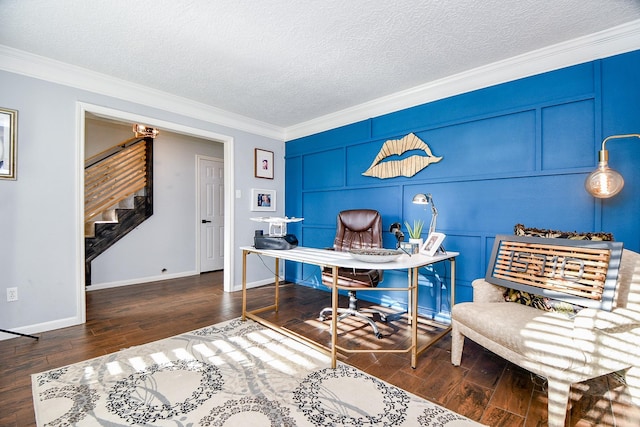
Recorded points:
(324, 170)
(318, 236)
(487, 146)
(292, 200)
(567, 135)
(322, 207)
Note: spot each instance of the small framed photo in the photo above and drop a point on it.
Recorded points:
(263, 200)
(432, 244)
(8, 130)
(263, 164)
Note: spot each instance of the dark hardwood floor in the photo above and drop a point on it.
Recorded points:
(485, 388)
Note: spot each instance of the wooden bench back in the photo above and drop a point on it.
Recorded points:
(580, 272)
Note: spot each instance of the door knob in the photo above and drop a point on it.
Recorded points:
(204, 221)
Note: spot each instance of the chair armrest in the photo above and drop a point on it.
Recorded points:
(619, 320)
(484, 291)
(608, 338)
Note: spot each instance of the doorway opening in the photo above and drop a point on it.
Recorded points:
(88, 112)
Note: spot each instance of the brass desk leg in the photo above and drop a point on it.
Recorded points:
(277, 283)
(453, 284)
(413, 292)
(452, 293)
(409, 294)
(334, 317)
(244, 285)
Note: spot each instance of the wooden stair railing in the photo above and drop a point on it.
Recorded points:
(114, 177)
(111, 177)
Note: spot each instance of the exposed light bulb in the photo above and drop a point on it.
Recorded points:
(142, 131)
(604, 182)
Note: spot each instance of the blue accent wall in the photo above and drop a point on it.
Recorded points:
(518, 152)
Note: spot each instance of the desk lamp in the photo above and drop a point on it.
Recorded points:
(427, 199)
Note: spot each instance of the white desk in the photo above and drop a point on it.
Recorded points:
(334, 260)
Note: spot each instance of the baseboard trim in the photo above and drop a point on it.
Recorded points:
(40, 327)
(141, 280)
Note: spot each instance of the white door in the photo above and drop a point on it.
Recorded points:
(211, 174)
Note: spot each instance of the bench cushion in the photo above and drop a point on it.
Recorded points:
(534, 334)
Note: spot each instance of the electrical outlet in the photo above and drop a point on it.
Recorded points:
(12, 294)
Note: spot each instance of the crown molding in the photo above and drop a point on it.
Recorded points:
(614, 41)
(39, 67)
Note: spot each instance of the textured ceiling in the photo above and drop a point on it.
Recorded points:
(284, 62)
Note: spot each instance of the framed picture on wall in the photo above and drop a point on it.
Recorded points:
(8, 130)
(263, 200)
(263, 163)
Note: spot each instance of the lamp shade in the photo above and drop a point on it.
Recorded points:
(420, 199)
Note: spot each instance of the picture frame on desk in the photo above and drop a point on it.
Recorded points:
(432, 243)
(410, 248)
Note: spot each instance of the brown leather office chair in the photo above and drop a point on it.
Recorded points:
(356, 229)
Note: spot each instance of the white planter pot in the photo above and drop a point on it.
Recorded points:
(416, 244)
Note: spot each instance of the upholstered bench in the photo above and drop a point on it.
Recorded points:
(564, 347)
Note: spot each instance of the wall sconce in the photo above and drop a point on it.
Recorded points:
(427, 199)
(605, 182)
(142, 131)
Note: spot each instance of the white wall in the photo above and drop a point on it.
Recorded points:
(101, 134)
(40, 213)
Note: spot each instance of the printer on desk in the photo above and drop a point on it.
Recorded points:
(260, 241)
(277, 237)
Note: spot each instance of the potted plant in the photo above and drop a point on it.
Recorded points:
(415, 233)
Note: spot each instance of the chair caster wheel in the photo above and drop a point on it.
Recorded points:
(383, 318)
(379, 335)
(322, 318)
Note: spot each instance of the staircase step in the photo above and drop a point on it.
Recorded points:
(127, 203)
(108, 232)
(110, 215)
(90, 227)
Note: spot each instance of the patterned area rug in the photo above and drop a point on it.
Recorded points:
(231, 374)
